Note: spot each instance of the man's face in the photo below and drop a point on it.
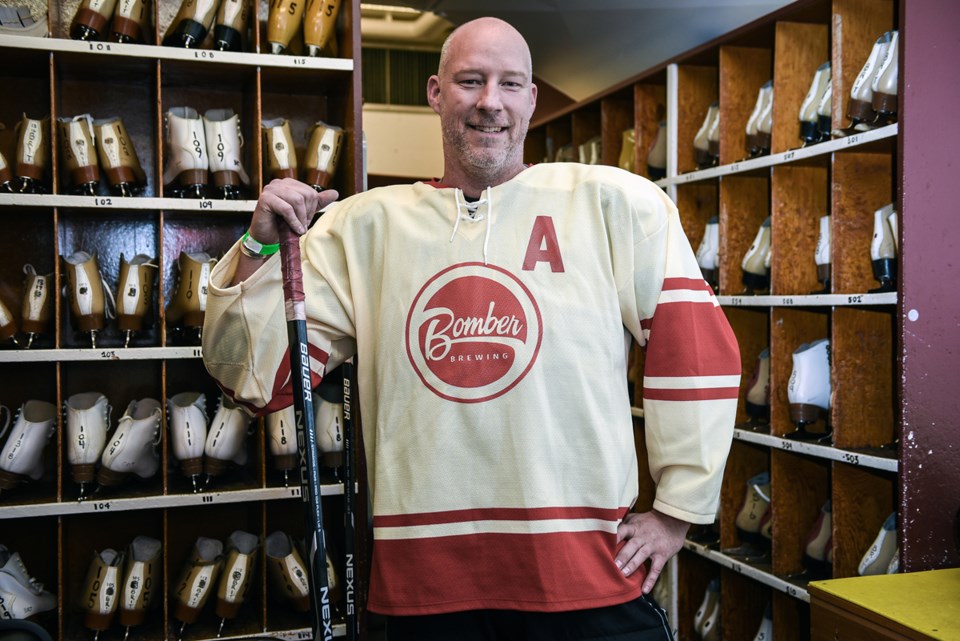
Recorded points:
(485, 97)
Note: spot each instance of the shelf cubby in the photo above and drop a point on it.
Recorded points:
(744, 205)
(743, 70)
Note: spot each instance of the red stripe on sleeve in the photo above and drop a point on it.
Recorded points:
(691, 339)
(696, 284)
(704, 394)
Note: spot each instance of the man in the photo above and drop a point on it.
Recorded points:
(491, 312)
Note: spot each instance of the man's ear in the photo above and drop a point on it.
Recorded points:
(433, 93)
(533, 97)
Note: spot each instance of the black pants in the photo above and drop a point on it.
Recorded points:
(638, 620)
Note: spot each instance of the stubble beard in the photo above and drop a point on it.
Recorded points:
(489, 163)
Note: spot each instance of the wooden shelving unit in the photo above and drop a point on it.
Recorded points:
(54, 533)
(794, 185)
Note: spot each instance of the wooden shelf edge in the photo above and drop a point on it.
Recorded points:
(158, 502)
(118, 202)
(203, 56)
(810, 300)
(828, 452)
(99, 354)
(783, 158)
(768, 579)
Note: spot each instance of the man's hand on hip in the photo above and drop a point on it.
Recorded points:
(649, 535)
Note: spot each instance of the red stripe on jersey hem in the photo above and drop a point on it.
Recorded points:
(704, 394)
(498, 514)
(542, 572)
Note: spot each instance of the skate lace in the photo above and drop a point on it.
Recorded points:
(467, 210)
(35, 585)
(157, 430)
(107, 411)
(111, 302)
(6, 426)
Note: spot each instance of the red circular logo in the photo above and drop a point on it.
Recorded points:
(473, 332)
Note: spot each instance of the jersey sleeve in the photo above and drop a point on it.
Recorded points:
(691, 373)
(245, 339)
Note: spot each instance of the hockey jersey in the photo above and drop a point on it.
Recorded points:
(491, 341)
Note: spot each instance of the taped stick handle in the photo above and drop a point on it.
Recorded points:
(292, 274)
(300, 376)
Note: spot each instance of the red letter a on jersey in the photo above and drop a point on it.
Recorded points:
(543, 246)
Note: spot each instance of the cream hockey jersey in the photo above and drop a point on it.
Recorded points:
(491, 341)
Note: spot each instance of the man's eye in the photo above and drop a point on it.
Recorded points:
(513, 85)
(470, 83)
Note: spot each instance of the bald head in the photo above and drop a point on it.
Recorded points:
(485, 32)
(485, 96)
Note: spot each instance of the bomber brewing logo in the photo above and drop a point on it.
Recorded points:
(473, 332)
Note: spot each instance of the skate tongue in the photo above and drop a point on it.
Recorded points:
(14, 567)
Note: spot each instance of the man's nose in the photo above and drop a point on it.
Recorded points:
(490, 99)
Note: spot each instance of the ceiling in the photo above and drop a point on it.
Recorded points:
(582, 47)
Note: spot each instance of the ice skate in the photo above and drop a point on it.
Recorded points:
(197, 581)
(238, 573)
(79, 153)
(191, 24)
(708, 253)
(755, 271)
(99, 596)
(701, 142)
(809, 388)
(822, 255)
(141, 578)
(860, 106)
(225, 151)
(323, 153)
(883, 250)
(135, 294)
(118, 157)
(133, 447)
(21, 459)
(129, 21)
(87, 419)
(37, 308)
(320, 24)
(188, 166)
(764, 96)
(187, 417)
(189, 300)
(281, 156)
(657, 156)
(226, 442)
(91, 302)
(33, 154)
(230, 26)
(284, 20)
(21, 595)
(91, 20)
(820, 84)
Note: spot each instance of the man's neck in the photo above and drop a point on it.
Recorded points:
(472, 186)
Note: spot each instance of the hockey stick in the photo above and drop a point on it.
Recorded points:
(296, 315)
(349, 474)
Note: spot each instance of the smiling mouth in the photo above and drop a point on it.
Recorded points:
(488, 130)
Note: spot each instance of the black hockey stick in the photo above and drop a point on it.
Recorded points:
(349, 520)
(296, 315)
